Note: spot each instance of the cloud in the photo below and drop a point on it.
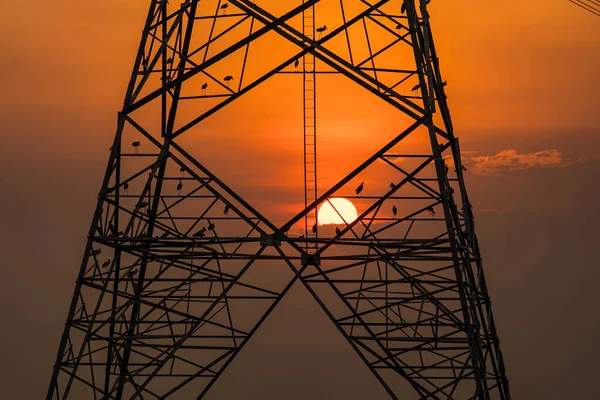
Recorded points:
(508, 161)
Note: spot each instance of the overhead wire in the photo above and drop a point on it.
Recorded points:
(592, 6)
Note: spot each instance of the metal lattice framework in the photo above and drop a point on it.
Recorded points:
(179, 270)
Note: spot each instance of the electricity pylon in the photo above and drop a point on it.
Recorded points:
(179, 270)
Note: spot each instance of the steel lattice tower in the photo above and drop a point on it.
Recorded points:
(179, 270)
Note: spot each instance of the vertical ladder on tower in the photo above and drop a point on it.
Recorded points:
(310, 129)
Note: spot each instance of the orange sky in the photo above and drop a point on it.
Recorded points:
(510, 65)
(511, 68)
(523, 75)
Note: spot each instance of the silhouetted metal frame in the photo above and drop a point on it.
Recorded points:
(420, 40)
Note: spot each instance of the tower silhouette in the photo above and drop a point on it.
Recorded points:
(180, 270)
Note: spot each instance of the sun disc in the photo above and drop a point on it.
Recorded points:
(337, 211)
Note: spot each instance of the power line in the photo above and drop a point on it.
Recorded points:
(592, 6)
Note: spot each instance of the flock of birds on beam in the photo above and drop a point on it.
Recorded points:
(320, 30)
(228, 79)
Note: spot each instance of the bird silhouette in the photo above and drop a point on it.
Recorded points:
(403, 8)
(182, 170)
(432, 211)
(96, 252)
(224, 8)
(415, 88)
(395, 211)
(179, 187)
(211, 226)
(106, 263)
(301, 237)
(321, 30)
(170, 60)
(204, 86)
(314, 229)
(398, 27)
(126, 187)
(200, 233)
(338, 232)
(392, 186)
(143, 204)
(226, 210)
(360, 188)
(296, 63)
(228, 78)
(136, 145)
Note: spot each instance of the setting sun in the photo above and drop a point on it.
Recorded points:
(337, 211)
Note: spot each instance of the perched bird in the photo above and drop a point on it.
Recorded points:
(415, 88)
(204, 86)
(301, 237)
(360, 188)
(338, 232)
(321, 30)
(224, 8)
(314, 229)
(395, 211)
(296, 64)
(133, 273)
(444, 83)
(170, 60)
(398, 27)
(135, 146)
(182, 170)
(200, 233)
(211, 226)
(392, 186)
(106, 263)
(179, 187)
(403, 8)
(432, 211)
(145, 62)
(96, 252)
(143, 204)
(126, 187)
(228, 78)
(226, 210)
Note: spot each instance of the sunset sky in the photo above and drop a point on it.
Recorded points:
(524, 92)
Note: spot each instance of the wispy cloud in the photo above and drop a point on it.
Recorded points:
(508, 161)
